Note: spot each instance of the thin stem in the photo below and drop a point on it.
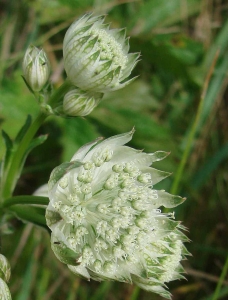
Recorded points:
(193, 129)
(13, 174)
(25, 200)
(221, 279)
(135, 293)
(59, 94)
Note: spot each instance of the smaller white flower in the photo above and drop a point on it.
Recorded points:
(36, 68)
(96, 57)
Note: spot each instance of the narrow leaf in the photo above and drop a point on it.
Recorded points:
(23, 129)
(35, 215)
(9, 146)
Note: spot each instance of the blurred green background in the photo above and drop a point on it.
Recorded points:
(178, 41)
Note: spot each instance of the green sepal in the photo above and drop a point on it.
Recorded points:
(63, 253)
(167, 200)
(61, 170)
(52, 217)
(80, 271)
(167, 224)
(151, 286)
(28, 86)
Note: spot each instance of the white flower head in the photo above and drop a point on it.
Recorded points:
(36, 68)
(96, 58)
(105, 218)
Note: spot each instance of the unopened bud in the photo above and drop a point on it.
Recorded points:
(80, 103)
(36, 68)
(4, 268)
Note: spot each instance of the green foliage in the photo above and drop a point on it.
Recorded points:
(178, 41)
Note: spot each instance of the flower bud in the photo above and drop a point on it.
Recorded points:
(4, 291)
(4, 277)
(36, 68)
(4, 268)
(79, 103)
(96, 58)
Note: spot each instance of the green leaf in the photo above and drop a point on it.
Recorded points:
(27, 280)
(161, 13)
(23, 129)
(26, 199)
(36, 142)
(209, 167)
(9, 147)
(35, 215)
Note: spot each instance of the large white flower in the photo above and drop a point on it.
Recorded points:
(95, 57)
(105, 218)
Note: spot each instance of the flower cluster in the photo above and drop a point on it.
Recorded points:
(105, 216)
(96, 61)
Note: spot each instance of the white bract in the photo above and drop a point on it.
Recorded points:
(79, 103)
(105, 218)
(96, 58)
(36, 68)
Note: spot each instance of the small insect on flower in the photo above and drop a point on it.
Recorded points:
(96, 57)
(105, 218)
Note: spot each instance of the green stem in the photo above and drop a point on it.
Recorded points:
(13, 172)
(59, 94)
(188, 147)
(27, 199)
(191, 136)
(135, 293)
(221, 279)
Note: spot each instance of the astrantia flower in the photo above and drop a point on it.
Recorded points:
(95, 57)
(105, 218)
(36, 68)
